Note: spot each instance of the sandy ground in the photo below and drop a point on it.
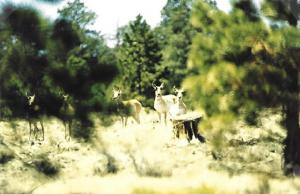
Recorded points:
(133, 159)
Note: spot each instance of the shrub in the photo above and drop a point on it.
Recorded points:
(153, 169)
(44, 165)
(5, 155)
(107, 166)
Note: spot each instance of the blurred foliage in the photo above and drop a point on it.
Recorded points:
(51, 58)
(244, 65)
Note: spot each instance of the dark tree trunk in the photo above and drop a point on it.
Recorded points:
(292, 141)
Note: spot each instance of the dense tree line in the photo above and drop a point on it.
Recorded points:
(139, 56)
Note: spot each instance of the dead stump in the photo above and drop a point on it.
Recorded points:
(187, 125)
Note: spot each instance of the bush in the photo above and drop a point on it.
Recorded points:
(107, 166)
(44, 165)
(5, 155)
(83, 129)
(153, 169)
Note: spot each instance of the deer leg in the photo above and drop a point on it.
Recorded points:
(30, 130)
(70, 129)
(65, 126)
(137, 118)
(165, 118)
(126, 119)
(35, 130)
(159, 116)
(122, 121)
(43, 132)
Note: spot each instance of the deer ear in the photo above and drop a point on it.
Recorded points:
(175, 89)
(116, 88)
(153, 85)
(162, 85)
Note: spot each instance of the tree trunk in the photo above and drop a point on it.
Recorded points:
(292, 141)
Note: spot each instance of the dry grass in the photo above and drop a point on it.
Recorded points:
(145, 159)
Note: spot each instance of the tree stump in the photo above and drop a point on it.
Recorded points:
(187, 124)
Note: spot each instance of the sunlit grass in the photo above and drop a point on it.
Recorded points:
(145, 159)
(200, 190)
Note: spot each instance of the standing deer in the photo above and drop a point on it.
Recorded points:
(67, 115)
(179, 108)
(33, 116)
(162, 104)
(127, 108)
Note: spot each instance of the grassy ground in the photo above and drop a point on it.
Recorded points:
(143, 159)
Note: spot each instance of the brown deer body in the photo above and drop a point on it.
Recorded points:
(127, 108)
(67, 115)
(34, 117)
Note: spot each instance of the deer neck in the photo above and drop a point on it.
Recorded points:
(180, 103)
(119, 100)
(159, 99)
(66, 105)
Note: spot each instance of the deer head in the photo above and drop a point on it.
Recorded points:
(179, 92)
(30, 99)
(158, 89)
(116, 93)
(65, 97)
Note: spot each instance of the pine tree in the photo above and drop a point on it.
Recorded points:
(176, 38)
(83, 65)
(47, 58)
(288, 67)
(245, 66)
(139, 58)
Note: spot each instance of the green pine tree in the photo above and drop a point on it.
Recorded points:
(139, 58)
(245, 66)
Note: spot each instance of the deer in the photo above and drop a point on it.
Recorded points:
(179, 108)
(162, 103)
(67, 115)
(33, 116)
(188, 126)
(126, 108)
